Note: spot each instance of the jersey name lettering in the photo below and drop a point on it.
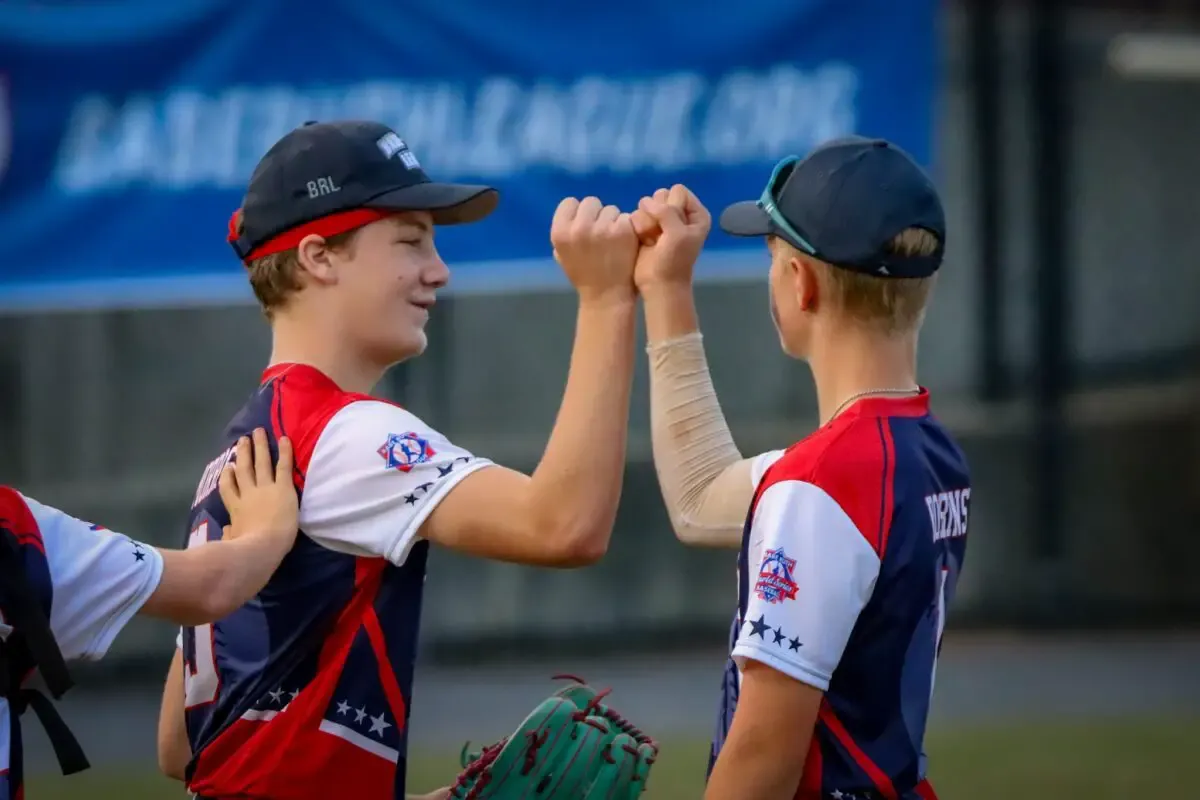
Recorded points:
(212, 474)
(948, 513)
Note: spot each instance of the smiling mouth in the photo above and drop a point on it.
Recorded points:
(424, 305)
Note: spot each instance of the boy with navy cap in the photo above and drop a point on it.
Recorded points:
(850, 541)
(305, 691)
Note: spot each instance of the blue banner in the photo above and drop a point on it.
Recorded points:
(128, 128)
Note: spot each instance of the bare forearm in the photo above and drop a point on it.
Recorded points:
(578, 482)
(670, 312)
(174, 751)
(206, 583)
(246, 565)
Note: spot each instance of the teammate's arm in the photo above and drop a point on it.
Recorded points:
(563, 514)
(706, 484)
(379, 479)
(102, 579)
(174, 750)
(812, 574)
(203, 584)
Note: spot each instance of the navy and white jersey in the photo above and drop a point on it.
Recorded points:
(850, 554)
(90, 583)
(305, 691)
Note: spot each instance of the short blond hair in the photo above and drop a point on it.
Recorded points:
(891, 305)
(276, 277)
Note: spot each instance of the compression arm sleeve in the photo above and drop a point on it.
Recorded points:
(706, 484)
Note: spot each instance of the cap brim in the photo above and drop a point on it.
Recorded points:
(745, 219)
(450, 203)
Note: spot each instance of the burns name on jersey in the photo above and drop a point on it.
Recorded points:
(948, 513)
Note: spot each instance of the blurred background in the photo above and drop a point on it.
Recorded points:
(1063, 346)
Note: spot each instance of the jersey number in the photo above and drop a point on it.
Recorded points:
(939, 618)
(200, 681)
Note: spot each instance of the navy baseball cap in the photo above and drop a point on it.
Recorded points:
(844, 203)
(332, 177)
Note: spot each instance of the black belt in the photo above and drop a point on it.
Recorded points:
(33, 642)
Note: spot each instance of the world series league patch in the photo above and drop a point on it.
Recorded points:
(775, 577)
(403, 451)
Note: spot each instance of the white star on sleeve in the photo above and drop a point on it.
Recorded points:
(343, 708)
(379, 724)
(360, 714)
(276, 695)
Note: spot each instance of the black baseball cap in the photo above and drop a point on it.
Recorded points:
(843, 204)
(331, 177)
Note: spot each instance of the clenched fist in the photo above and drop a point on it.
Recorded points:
(596, 247)
(672, 226)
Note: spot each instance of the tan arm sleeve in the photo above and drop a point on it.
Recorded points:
(706, 484)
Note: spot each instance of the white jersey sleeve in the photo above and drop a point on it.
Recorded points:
(811, 574)
(375, 475)
(101, 579)
(761, 463)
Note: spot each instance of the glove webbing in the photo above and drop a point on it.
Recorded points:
(477, 769)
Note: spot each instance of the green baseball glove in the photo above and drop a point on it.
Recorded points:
(571, 747)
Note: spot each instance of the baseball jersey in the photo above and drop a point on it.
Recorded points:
(850, 554)
(89, 582)
(305, 691)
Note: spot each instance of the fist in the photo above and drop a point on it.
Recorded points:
(671, 226)
(596, 247)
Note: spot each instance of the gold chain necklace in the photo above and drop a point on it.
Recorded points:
(869, 393)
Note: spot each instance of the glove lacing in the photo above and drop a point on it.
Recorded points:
(481, 767)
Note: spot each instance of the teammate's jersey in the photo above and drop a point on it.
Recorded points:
(89, 581)
(849, 557)
(305, 691)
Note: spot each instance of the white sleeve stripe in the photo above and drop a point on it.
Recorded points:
(811, 572)
(101, 579)
(761, 464)
(792, 667)
(127, 610)
(374, 477)
(403, 543)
